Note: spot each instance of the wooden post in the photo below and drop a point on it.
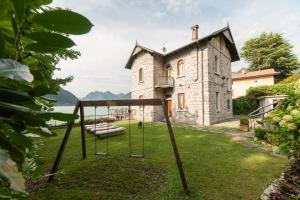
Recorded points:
(83, 143)
(62, 146)
(175, 149)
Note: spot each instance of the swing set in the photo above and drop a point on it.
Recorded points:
(108, 129)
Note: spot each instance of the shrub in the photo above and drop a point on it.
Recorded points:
(279, 88)
(244, 121)
(272, 138)
(260, 133)
(243, 105)
(286, 122)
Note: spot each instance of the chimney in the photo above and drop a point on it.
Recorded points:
(195, 32)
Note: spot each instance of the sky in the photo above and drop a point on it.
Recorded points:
(118, 24)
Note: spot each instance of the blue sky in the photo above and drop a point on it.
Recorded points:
(118, 24)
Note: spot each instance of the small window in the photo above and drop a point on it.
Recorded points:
(141, 75)
(180, 68)
(181, 101)
(141, 97)
(228, 105)
(217, 100)
(216, 65)
(228, 84)
(256, 80)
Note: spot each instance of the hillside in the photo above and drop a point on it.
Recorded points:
(64, 98)
(97, 95)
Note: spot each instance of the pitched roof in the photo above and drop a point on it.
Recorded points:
(136, 50)
(228, 38)
(224, 31)
(254, 74)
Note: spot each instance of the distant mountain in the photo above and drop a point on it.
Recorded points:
(97, 95)
(64, 98)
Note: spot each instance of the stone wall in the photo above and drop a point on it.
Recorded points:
(190, 84)
(220, 81)
(145, 88)
(197, 95)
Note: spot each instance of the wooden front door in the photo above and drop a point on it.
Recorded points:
(169, 104)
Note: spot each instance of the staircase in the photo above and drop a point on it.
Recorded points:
(256, 117)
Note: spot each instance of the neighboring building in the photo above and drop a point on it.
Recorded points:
(244, 80)
(195, 79)
(267, 103)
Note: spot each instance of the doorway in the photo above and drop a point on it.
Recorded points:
(169, 106)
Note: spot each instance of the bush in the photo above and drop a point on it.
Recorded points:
(243, 105)
(272, 138)
(244, 121)
(285, 120)
(277, 89)
(260, 133)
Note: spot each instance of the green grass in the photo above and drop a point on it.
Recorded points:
(216, 167)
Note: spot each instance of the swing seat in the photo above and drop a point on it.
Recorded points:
(110, 132)
(97, 125)
(92, 130)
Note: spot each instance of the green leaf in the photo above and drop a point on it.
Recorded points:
(58, 116)
(48, 42)
(19, 7)
(14, 96)
(64, 21)
(9, 170)
(37, 3)
(14, 70)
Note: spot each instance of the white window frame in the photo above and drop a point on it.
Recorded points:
(181, 107)
(180, 68)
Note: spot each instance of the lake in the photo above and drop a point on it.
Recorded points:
(89, 112)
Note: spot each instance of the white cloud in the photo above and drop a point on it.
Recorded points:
(106, 48)
(176, 5)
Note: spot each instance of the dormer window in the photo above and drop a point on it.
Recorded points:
(141, 75)
(180, 68)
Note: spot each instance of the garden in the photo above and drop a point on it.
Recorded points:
(216, 167)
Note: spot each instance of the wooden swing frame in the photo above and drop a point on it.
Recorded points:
(132, 102)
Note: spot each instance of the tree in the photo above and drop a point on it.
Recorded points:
(270, 51)
(33, 38)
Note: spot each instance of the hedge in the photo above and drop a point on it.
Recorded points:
(246, 104)
(243, 105)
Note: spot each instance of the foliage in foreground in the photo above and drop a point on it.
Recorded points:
(270, 50)
(286, 123)
(33, 38)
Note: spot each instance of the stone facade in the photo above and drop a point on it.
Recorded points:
(199, 83)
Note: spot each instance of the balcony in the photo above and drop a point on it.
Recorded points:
(164, 82)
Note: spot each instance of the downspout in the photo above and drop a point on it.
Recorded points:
(196, 79)
(202, 84)
(202, 75)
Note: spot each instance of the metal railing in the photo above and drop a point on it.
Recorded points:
(257, 113)
(165, 82)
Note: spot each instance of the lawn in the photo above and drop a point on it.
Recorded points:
(216, 167)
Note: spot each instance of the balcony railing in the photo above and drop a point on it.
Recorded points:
(164, 82)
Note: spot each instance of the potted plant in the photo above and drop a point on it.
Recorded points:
(244, 124)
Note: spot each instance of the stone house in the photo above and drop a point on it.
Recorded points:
(241, 82)
(195, 79)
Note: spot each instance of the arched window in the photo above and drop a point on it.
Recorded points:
(141, 75)
(168, 70)
(180, 68)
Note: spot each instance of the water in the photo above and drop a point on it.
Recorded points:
(89, 113)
